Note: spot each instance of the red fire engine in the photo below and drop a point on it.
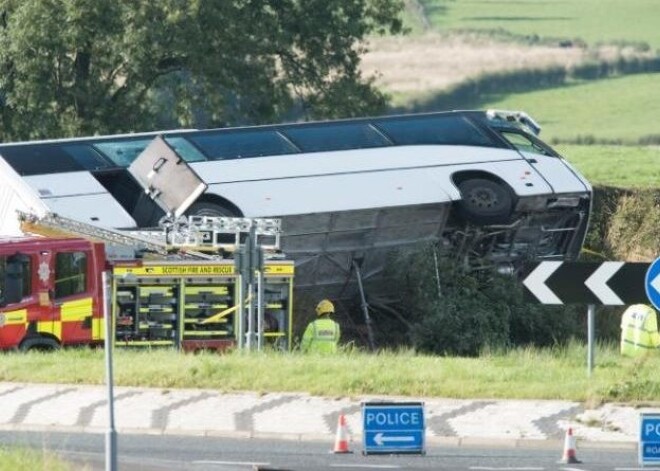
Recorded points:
(51, 294)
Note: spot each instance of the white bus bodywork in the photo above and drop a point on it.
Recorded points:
(342, 205)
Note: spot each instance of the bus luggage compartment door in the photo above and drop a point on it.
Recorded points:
(167, 178)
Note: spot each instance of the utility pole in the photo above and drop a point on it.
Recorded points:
(249, 263)
(111, 433)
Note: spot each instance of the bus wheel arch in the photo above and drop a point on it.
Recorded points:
(213, 206)
(485, 198)
(41, 342)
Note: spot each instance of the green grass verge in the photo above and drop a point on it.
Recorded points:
(618, 166)
(25, 459)
(523, 373)
(591, 20)
(613, 109)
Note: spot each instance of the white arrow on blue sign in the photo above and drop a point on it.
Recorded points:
(649, 438)
(652, 283)
(381, 439)
(393, 427)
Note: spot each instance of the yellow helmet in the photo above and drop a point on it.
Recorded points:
(325, 307)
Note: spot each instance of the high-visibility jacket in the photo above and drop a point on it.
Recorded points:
(639, 330)
(321, 336)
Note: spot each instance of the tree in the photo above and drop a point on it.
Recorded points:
(450, 308)
(79, 67)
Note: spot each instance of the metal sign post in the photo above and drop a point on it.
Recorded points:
(260, 310)
(111, 434)
(240, 312)
(591, 337)
(249, 263)
(248, 273)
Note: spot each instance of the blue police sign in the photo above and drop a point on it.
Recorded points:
(649, 438)
(393, 427)
(652, 283)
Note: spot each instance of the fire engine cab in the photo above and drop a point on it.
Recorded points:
(52, 293)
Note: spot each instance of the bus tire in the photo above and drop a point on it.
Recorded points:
(209, 209)
(39, 343)
(485, 202)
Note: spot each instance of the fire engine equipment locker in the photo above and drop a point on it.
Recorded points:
(194, 305)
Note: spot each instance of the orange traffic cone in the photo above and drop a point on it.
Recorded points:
(341, 439)
(569, 448)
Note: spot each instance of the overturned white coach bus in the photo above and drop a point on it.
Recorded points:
(345, 190)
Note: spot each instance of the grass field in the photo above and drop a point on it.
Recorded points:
(591, 20)
(25, 459)
(514, 374)
(624, 108)
(434, 62)
(620, 166)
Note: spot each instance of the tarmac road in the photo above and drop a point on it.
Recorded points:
(161, 452)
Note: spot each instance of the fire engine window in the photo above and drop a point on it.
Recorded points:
(15, 278)
(70, 274)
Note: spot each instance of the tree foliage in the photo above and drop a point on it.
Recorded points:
(78, 67)
(454, 311)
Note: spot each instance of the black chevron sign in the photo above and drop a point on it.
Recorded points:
(603, 283)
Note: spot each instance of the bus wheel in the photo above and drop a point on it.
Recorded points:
(206, 208)
(39, 343)
(485, 202)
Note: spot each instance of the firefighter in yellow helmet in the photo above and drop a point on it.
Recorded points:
(322, 334)
(639, 331)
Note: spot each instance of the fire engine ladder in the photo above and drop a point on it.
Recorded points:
(189, 235)
(53, 224)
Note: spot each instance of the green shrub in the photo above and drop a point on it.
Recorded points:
(457, 310)
(633, 233)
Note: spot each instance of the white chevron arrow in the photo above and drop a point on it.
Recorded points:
(655, 282)
(597, 283)
(535, 282)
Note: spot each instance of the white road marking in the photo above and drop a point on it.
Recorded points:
(573, 469)
(231, 463)
(494, 468)
(367, 466)
(636, 469)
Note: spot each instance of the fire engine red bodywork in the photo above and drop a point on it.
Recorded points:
(73, 319)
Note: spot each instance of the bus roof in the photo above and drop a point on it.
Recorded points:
(465, 128)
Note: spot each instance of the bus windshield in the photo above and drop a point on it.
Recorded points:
(524, 143)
